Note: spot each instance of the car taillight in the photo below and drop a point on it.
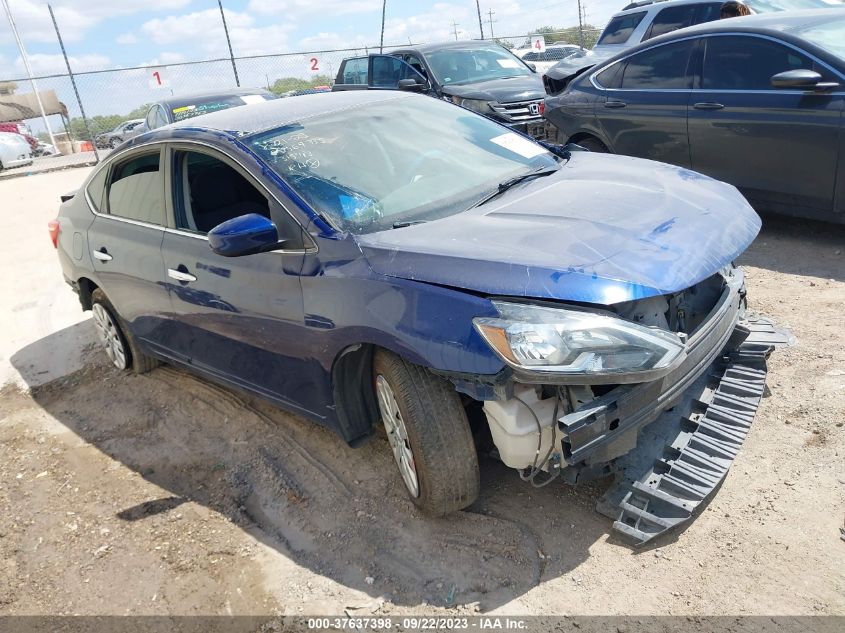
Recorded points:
(53, 226)
(542, 107)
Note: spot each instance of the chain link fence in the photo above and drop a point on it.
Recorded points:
(113, 96)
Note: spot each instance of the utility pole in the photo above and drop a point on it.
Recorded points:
(580, 26)
(455, 26)
(480, 26)
(73, 83)
(229, 42)
(28, 71)
(491, 13)
(383, 13)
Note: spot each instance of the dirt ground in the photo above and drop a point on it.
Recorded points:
(165, 494)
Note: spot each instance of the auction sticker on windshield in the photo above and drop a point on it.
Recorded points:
(518, 145)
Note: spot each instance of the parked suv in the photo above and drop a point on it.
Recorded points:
(646, 19)
(481, 76)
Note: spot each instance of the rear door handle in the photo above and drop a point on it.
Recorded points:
(179, 275)
(708, 105)
(614, 103)
(102, 255)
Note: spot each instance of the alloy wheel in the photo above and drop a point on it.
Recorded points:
(109, 336)
(397, 435)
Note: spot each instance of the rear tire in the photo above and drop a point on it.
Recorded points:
(428, 428)
(592, 144)
(118, 342)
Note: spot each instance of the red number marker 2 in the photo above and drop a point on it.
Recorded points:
(314, 62)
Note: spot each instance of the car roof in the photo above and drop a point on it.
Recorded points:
(779, 21)
(260, 117)
(645, 5)
(428, 48)
(206, 94)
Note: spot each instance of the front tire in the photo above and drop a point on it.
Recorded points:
(118, 343)
(429, 434)
(592, 144)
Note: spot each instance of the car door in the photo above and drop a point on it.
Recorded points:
(644, 110)
(778, 146)
(240, 317)
(388, 72)
(125, 240)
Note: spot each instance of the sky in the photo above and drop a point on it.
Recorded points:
(119, 33)
(111, 34)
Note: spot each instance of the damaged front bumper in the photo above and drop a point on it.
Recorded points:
(683, 455)
(670, 441)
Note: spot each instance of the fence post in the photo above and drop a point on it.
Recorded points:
(28, 71)
(383, 12)
(229, 43)
(73, 83)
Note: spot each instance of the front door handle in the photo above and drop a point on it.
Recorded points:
(179, 275)
(102, 255)
(708, 105)
(614, 103)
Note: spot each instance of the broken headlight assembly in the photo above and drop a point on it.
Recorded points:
(549, 343)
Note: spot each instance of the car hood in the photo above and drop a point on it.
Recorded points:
(603, 230)
(571, 66)
(501, 90)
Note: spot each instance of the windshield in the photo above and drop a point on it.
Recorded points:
(829, 35)
(767, 6)
(408, 159)
(454, 66)
(196, 107)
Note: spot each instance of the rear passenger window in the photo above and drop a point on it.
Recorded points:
(748, 63)
(209, 192)
(619, 29)
(136, 189)
(611, 78)
(355, 71)
(97, 189)
(671, 19)
(660, 68)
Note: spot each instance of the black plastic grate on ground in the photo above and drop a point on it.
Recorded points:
(683, 456)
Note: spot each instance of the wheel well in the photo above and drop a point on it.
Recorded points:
(86, 288)
(580, 136)
(354, 396)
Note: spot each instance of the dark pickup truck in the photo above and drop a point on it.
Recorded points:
(481, 76)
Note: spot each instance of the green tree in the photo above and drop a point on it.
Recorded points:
(567, 35)
(293, 84)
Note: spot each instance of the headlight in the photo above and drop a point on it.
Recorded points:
(578, 343)
(477, 105)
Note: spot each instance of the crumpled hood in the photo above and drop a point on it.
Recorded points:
(501, 90)
(603, 230)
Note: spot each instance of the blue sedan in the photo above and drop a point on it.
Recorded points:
(359, 257)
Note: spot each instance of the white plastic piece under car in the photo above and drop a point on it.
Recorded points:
(514, 428)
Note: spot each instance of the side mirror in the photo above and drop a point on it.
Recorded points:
(801, 79)
(413, 84)
(244, 235)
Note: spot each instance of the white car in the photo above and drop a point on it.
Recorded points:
(544, 60)
(14, 150)
(642, 20)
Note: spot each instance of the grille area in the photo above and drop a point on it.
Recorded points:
(519, 111)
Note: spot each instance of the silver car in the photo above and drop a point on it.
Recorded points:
(14, 150)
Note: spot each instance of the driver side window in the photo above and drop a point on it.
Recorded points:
(207, 192)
